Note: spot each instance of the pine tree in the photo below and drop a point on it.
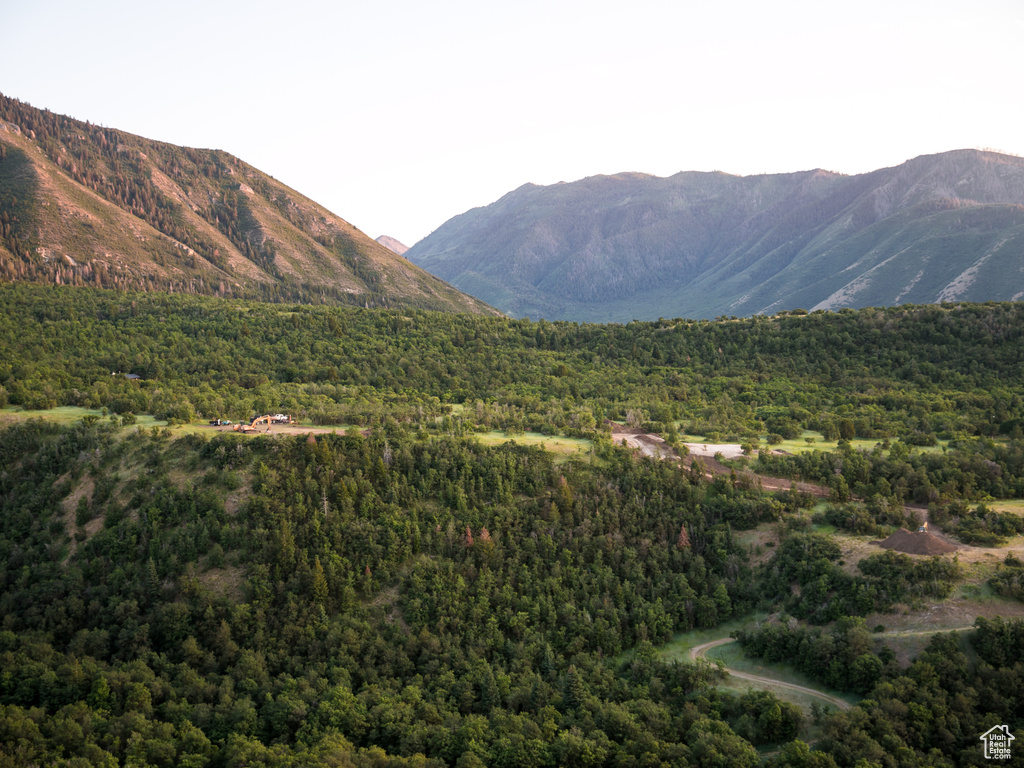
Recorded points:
(319, 583)
(575, 690)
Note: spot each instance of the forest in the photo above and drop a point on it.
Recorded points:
(398, 592)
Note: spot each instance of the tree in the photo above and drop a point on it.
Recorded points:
(574, 688)
(319, 589)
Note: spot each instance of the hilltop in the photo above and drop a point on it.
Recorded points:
(631, 246)
(82, 204)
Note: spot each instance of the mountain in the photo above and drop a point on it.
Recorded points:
(85, 205)
(614, 248)
(395, 246)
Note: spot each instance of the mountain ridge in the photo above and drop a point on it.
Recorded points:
(393, 245)
(625, 246)
(87, 205)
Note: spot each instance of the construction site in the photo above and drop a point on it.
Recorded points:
(268, 420)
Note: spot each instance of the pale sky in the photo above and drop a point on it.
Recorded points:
(397, 115)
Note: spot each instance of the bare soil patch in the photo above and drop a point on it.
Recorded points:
(285, 429)
(853, 551)
(234, 501)
(93, 526)
(727, 450)
(656, 447)
(908, 632)
(84, 489)
(647, 444)
(761, 541)
(224, 582)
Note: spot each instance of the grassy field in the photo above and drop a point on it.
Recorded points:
(800, 444)
(64, 414)
(68, 414)
(1007, 505)
(816, 443)
(678, 648)
(566, 446)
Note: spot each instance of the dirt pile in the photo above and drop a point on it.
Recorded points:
(916, 543)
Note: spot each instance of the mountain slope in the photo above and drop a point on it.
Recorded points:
(85, 205)
(393, 245)
(939, 227)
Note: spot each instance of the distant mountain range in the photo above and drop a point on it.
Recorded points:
(85, 205)
(613, 248)
(395, 246)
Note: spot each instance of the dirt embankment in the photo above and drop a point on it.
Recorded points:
(917, 543)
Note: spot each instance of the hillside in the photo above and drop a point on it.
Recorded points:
(406, 586)
(614, 248)
(85, 205)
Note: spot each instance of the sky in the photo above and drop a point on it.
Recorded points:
(397, 115)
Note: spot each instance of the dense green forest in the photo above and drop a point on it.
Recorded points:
(913, 373)
(402, 594)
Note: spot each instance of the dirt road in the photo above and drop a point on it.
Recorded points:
(655, 446)
(649, 445)
(699, 651)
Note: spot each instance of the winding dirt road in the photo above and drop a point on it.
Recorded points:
(699, 651)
